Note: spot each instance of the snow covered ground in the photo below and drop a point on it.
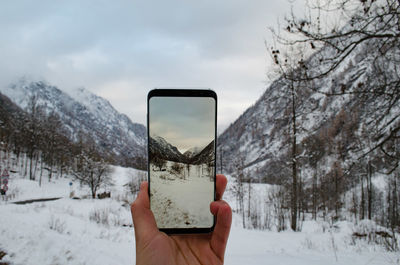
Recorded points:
(181, 202)
(87, 231)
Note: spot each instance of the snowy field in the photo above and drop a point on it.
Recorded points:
(181, 202)
(87, 231)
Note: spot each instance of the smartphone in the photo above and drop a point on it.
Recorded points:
(181, 158)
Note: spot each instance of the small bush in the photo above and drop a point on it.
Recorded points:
(100, 216)
(308, 244)
(105, 216)
(56, 224)
(372, 233)
(177, 168)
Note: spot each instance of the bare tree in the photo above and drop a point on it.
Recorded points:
(295, 90)
(341, 37)
(94, 174)
(276, 197)
(177, 168)
(238, 187)
(32, 132)
(158, 162)
(249, 191)
(52, 142)
(366, 32)
(90, 169)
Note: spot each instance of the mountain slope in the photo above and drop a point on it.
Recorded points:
(114, 133)
(159, 147)
(330, 129)
(205, 156)
(10, 116)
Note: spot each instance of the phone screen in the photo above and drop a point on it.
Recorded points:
(181, 152)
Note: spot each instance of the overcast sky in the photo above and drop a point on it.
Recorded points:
(122, 49)
(183, 122)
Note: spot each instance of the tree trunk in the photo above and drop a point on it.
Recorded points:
(93, 186)
(243, 214)
(41, 172)
(395, 217)
(314, 197)
(355, 206)
(369, 187)
(31, 177)
(51, 168)
(294, 165)
(362, 215)
(36, 163)
(336, 194)
(17, 159)
(26, 165)
(248, 206)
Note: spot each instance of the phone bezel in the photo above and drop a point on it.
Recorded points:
(179, 92)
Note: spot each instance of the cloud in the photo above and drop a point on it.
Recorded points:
(122, 49)
(183, 122)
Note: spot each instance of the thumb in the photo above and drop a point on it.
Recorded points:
(143, 218)
(219, 237)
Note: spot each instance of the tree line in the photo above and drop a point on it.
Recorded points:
(343, 51)
(37, 145)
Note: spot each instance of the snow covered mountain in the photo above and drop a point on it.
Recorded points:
(339, 129)
(159, 147)
(205, 156)
(114, 133)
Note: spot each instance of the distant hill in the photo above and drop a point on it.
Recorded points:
(160, 148)
(191, 152)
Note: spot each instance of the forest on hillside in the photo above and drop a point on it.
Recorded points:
(327, 130)
(36, 145)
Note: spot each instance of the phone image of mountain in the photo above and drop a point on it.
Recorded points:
(182, 162)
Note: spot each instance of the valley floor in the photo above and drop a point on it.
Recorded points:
(179, 201)
(86, 231)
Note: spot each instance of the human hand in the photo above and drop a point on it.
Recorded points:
(155, 247)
